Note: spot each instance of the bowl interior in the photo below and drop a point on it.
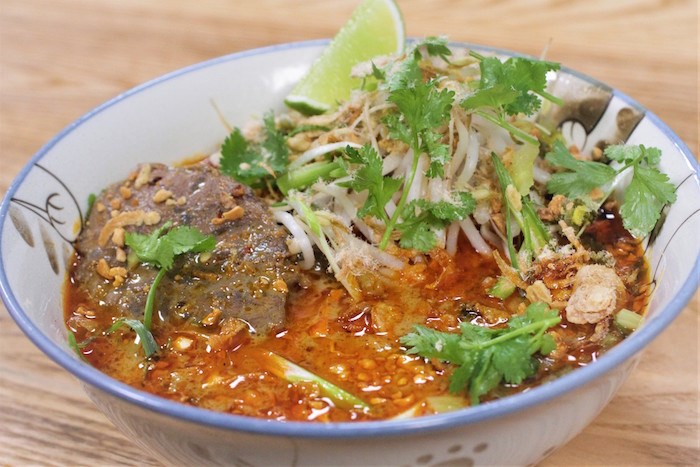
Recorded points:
(183, 114)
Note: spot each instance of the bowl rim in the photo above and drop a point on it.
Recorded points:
(470, 415)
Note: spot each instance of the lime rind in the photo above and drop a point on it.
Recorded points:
(306, 105)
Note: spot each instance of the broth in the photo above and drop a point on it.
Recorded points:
(354, 345)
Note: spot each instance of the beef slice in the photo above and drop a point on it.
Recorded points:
(244, 277)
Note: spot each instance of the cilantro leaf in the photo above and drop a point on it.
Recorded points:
(458, 209)
(517, 80)
(369, 177)
(423, 107)
(378, 73)
(407, 76)
(649, 190)
(582, 177)
(647, 194)
(493, 97)
(161, 249)
(632, 154)
(514, 361)
(438, 152)
(253, 163)
(436, 47)
(416, 233)
(149, 248)
(429, 343)
(421, 218)
(485, 357)
(509, 88)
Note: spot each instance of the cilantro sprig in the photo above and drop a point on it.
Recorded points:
(254, 163)
(509, 88)
(487, 356)
(420, 219)
(422, 109)
(648, 192)
(160, 249)
(369, 177)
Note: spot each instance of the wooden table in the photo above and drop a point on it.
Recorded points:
(60, 58)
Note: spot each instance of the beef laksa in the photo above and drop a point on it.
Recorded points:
(424, 247)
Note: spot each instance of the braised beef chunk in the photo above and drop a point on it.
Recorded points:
(245, 276)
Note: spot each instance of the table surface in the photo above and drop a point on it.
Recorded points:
(60, 58)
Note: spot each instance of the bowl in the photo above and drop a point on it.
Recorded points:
(176, 116)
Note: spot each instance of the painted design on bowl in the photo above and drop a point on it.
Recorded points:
(54, 204)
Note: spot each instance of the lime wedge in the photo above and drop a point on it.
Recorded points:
(375, 28)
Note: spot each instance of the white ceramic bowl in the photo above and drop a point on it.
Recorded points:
(172, 118)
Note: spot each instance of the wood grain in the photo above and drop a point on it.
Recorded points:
(60, 58)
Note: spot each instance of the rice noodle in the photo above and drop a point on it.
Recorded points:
(390, 208)
(368, 125)
(451, 132)
(474, 237)
(380, 256)
(489, 236)
(299, 236)
(504, 242)
(471, 161)
(405, 164)
(378, 107)
(436, 189)
(349, 210)
(482, 213)
(460, 150)
(452, 237)
(391, 162)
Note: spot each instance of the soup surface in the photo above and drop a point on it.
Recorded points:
(355, 345)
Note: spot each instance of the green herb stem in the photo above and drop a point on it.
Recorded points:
(308, 174)
(148, 342)
(503, 288)
(512, 129)
(150, 300)
(285, 369)
(73, 344)
(628, 320)
(538, 327)
(550, 97)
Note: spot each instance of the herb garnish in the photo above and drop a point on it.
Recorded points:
(648, 192)
(369, 177)
(509, 88)
(254, 163)
(422, 108)
(488, 356)
(160, 250)
(148, 342)
(422, 217)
